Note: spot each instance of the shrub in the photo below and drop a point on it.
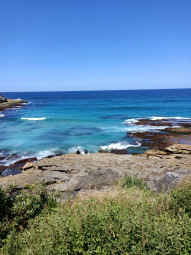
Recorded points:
(18, 206)
(113, 225)
(129, 182)
(181, 197)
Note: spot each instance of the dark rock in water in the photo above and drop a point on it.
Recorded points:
(148, 122)
(120, 152)
(2, 168)
(103, 151)
(2, 99)
(17, 167)
(181, 130)
(2, 158)
(153, 140)
(22, 162)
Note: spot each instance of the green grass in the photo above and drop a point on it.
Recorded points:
(127, 220)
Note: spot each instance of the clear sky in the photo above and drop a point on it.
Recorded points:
(94, 44)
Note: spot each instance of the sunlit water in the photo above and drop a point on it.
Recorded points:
(61, 122)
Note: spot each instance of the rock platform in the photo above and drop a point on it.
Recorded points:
(71, 173)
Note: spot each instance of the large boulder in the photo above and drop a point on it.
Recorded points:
(2, 99)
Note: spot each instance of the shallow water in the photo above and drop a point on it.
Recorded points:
(61, 122)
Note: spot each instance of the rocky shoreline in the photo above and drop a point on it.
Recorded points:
(71, 174)
(166, 162)
(10, 103)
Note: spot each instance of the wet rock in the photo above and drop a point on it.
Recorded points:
(120, 152)
(2, 168)
(152, 140)
(20, 163)
(148, 122)
(103, 151)
(179, 130)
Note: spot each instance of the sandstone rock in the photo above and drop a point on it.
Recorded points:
(20, 163)
(155, 152)
(179, 149)
(72, 173)
(27, 166)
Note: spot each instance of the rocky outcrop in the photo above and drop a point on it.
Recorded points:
(71, 173)
(179, 149)
(12, 103)
(148, 122)
(2, 99)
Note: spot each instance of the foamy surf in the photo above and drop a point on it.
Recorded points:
(119, 146)
(75, 148)
(130, 121)
(170, 118)
(45, 153)
(2, 115)
(34, 119)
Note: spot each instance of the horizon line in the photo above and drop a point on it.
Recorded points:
(88, 90)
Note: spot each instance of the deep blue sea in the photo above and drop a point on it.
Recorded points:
(61, 122)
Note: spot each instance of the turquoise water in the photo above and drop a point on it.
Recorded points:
(61, 122)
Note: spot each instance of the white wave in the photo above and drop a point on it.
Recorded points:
(119, 146)
(176, 118)
(2, 115)
(74, 149)
(34, 119)
(130, 121)
(45, 153)
(19, 99)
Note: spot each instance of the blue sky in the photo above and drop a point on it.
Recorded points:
(94, 44)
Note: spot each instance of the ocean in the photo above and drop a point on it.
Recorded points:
(62, 122)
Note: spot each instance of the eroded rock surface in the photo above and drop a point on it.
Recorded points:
(72, 173)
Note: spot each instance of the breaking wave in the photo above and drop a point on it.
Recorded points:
(119, 146)
(34, 119)
(2, 115)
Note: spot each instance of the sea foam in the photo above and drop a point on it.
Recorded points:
(170, 118)
(2, 115)
(119, 146)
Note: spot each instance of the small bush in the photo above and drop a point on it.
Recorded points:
(130, 182)
(18, 206)
(181, 197)
(122, 221)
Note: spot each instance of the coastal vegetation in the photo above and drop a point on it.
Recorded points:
(128, 219)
